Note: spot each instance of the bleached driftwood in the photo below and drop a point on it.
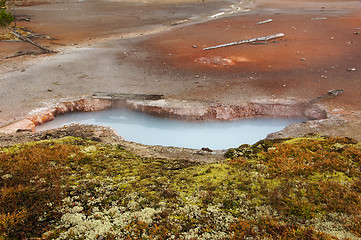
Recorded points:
(218, 15)
(265, 38)
(25, 39)
(265, 21)
(320, 18)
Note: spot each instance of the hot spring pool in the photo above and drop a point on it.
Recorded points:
(150, 130)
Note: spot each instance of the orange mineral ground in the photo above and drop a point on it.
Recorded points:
(321, 50)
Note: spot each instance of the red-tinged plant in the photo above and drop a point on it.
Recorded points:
(137, 229)
(239, 161)
(31, 188)
(159, 232)
(355, 226)
(269, 228)
(242, 229)
(310, 155)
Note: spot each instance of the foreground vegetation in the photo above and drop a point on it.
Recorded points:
(73, 188)
(6, 18)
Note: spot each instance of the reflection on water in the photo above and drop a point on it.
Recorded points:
(146, 129)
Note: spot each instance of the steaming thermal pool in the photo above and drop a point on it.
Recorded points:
(150, 130)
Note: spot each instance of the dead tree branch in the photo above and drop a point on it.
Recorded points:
(265, 38)
(21, 54)
(25, 39)
(330, 94)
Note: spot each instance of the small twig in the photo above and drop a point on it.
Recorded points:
(265, 38)
(55, 43)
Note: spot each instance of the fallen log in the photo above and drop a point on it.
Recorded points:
(265, 38)
(126, 96)
(25, 39)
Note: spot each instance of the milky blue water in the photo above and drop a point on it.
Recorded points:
(150, 130)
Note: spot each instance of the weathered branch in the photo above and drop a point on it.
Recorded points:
(265, 21)
(25, 39)
(330, 94)
(265, 38)
(21, 54)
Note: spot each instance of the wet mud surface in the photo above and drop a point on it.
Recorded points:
(148, 48)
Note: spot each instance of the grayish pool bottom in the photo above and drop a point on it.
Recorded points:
(143, 128)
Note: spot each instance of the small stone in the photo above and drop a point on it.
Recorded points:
(50, 90)
(197, 76)
(356, 33)
(194, 46)
(96, 139)
(303, 59)
(206, 149)
(351, 69)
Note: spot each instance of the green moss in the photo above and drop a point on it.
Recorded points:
(283, 184)
(301, 139)
(339, 177)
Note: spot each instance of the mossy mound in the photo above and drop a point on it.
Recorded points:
(73, 188)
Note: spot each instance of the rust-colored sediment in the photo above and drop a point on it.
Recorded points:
(45, 115)
(321, 51)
